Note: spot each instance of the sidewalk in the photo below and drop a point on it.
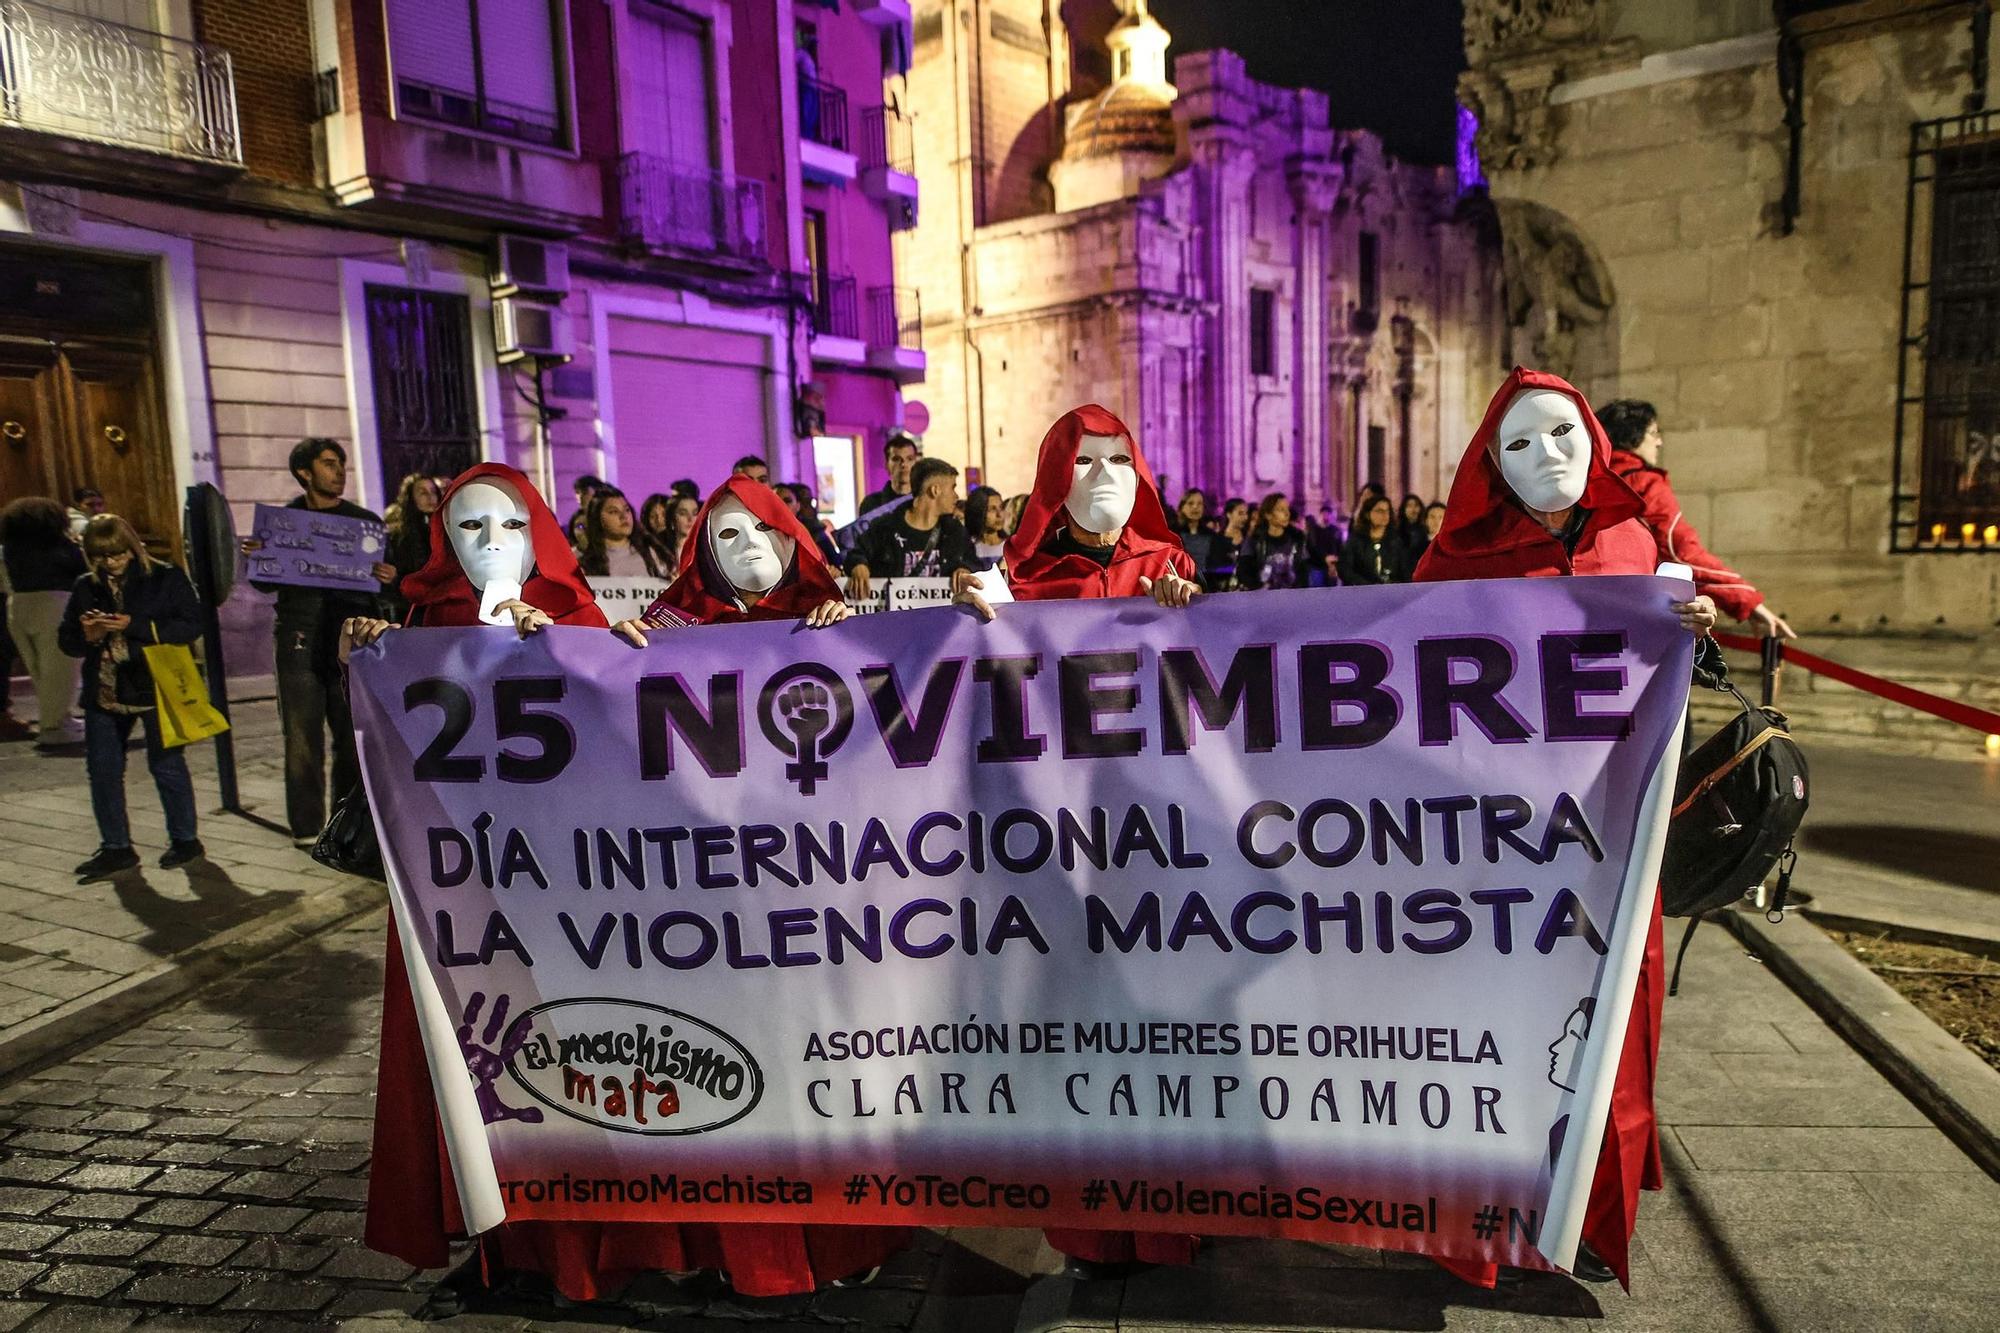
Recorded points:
(76, 957)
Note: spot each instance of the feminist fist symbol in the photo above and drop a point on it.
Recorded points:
(486, 1066)
(806, 708)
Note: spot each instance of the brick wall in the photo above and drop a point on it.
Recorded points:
(270, 44)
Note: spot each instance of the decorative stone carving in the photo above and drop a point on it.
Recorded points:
(1517, 126)
(1558, 295)
(1499, 29)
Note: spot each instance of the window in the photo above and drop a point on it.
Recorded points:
(426, 409)
(488, 65)
(668, 71)
(1368, 299)
(1263, 331)
(1947, 482)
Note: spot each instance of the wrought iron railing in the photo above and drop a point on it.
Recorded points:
(834, 312)
(823, 113)
(662, 203)
(82, 78)
(885, 140)
(895, 318)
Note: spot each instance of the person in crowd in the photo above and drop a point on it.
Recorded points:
(582, 488)
(85, 503)
(753, 467)
(613, 546)
(1433, 523)
(1536, 496)
(408, 521)
(1634, 430)
(656, 518)
(986, 524)
(42, 566)
(1274, 554)
(1190, 524)
(1410, 525)
(680, 522)
(1095, 527)
(1010, 513)
(1231, 530)
(126, 601)
(899, 455)
(807, 510)
(917, 539)
(1374, 552)
(686, 489)
(1323, 545)
(576, 528)
(312, 698)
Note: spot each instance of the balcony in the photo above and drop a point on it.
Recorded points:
(888, 165)
(836, 323)
(664, 206)
(824, 155)
(131, 90)
(896, 333)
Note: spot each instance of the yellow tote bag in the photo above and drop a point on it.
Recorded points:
(185, 712)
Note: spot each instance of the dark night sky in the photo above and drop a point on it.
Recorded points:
(1386, 65)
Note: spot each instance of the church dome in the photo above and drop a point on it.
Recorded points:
(1125, 118)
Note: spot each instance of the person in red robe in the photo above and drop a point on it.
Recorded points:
(748, 558)
(1534, 499)
(745, 524)
(1094, 527)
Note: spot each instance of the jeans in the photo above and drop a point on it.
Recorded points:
(104, 736)
(310, 703)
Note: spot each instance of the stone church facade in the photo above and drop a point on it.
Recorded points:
(1785, 233)
(1273, 304)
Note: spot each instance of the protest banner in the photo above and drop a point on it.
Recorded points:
(1309, 914)
(305, 548)
(628, 598)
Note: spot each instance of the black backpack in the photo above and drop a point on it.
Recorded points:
(1738, 804)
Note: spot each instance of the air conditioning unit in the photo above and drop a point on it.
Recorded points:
(524, 329)
(523, 266)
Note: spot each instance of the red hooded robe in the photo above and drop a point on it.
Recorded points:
(1146, 549)
(702, 595)
(1487, 535)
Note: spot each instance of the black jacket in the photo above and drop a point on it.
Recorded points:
(893, 550)
(1361, 563)
(309, 619)
(1272, 562)
(163, 608)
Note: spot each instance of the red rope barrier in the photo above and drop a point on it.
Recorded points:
(1951, 710)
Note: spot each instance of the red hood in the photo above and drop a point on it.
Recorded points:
(1481, 517)
(700, 592)
(1146, 532)
(440, 594)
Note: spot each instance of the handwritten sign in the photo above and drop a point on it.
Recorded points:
(304, 549)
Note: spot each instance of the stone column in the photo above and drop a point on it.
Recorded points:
(1314, 188)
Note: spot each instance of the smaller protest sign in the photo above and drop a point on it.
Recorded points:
(628, 598)
(303, 548)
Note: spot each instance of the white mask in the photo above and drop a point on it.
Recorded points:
(1104, 485)
(1544, 450)
(752, 554)
(488, 524)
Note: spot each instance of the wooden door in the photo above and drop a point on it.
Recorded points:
(32, 431)
(118, 437)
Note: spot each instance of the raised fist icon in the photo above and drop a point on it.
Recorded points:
(807, 710)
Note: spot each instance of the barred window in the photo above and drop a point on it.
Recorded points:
(1947, 484)
(426, 407)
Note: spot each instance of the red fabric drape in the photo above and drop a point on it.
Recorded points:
(702, 595)
(1486, 535)
(440, 594)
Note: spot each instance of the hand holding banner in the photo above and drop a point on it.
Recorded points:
(1311, 914)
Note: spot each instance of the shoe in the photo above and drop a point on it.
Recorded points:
(1589, 1268)
(181, 853)
(14, 729)
(108, 861)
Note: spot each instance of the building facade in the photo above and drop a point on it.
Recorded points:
(1781, 231)
(227, 224)
(1273, 304)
